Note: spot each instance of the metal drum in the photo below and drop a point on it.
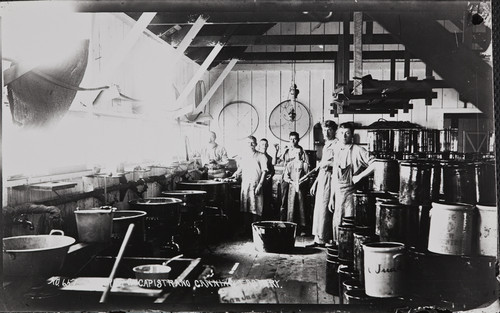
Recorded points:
(458, 182)
(415, 182)
(399, 223)
(484, 176)
(386, 175)
(193, 202)
(364, 210)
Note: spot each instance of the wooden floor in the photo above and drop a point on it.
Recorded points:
(297, 277)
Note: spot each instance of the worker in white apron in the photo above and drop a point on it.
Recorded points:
(351, 163)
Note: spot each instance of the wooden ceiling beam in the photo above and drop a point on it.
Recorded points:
(316, 55)
(308, 40)
(279, 7)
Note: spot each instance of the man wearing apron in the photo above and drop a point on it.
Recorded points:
(351, 163)
(322, 217)
(252, 169)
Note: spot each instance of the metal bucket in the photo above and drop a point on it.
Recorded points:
(385, 269)
(94, 225)
(488, 229)
(270, 236)
(35, 256)
(451, 228)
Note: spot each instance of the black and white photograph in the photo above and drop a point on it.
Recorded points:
(249, 156)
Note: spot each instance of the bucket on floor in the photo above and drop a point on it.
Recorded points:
(273, 236)
(488, 229)
(451, 228)
(384, 269)
(95, 225)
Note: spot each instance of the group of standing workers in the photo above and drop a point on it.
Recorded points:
(343, 164)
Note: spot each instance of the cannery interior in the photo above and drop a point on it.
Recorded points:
(248, 155)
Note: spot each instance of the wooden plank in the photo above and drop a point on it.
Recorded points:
(192, 83)
(193, 31)
(358, 50)
(216, 85)
(259, 101)
(273, 98)
(315, 55)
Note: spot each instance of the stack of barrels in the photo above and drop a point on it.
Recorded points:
(427, 231)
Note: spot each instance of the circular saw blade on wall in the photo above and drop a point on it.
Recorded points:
(238, 119)
(288, 116)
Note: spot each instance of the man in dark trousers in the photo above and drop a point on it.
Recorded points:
(267, 189)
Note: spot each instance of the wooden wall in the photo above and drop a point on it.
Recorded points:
(266, 84)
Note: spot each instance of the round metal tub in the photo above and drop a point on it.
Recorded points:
(35, 256)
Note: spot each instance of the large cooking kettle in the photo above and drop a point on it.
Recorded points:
(35, 256)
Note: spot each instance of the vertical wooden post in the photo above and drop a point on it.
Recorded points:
(342, 62)
(407, 64)
(393, 68)
(358, 51)
(428, 74)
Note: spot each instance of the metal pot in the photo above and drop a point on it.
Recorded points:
(123, 218)
(163, 216)
(35, 256)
